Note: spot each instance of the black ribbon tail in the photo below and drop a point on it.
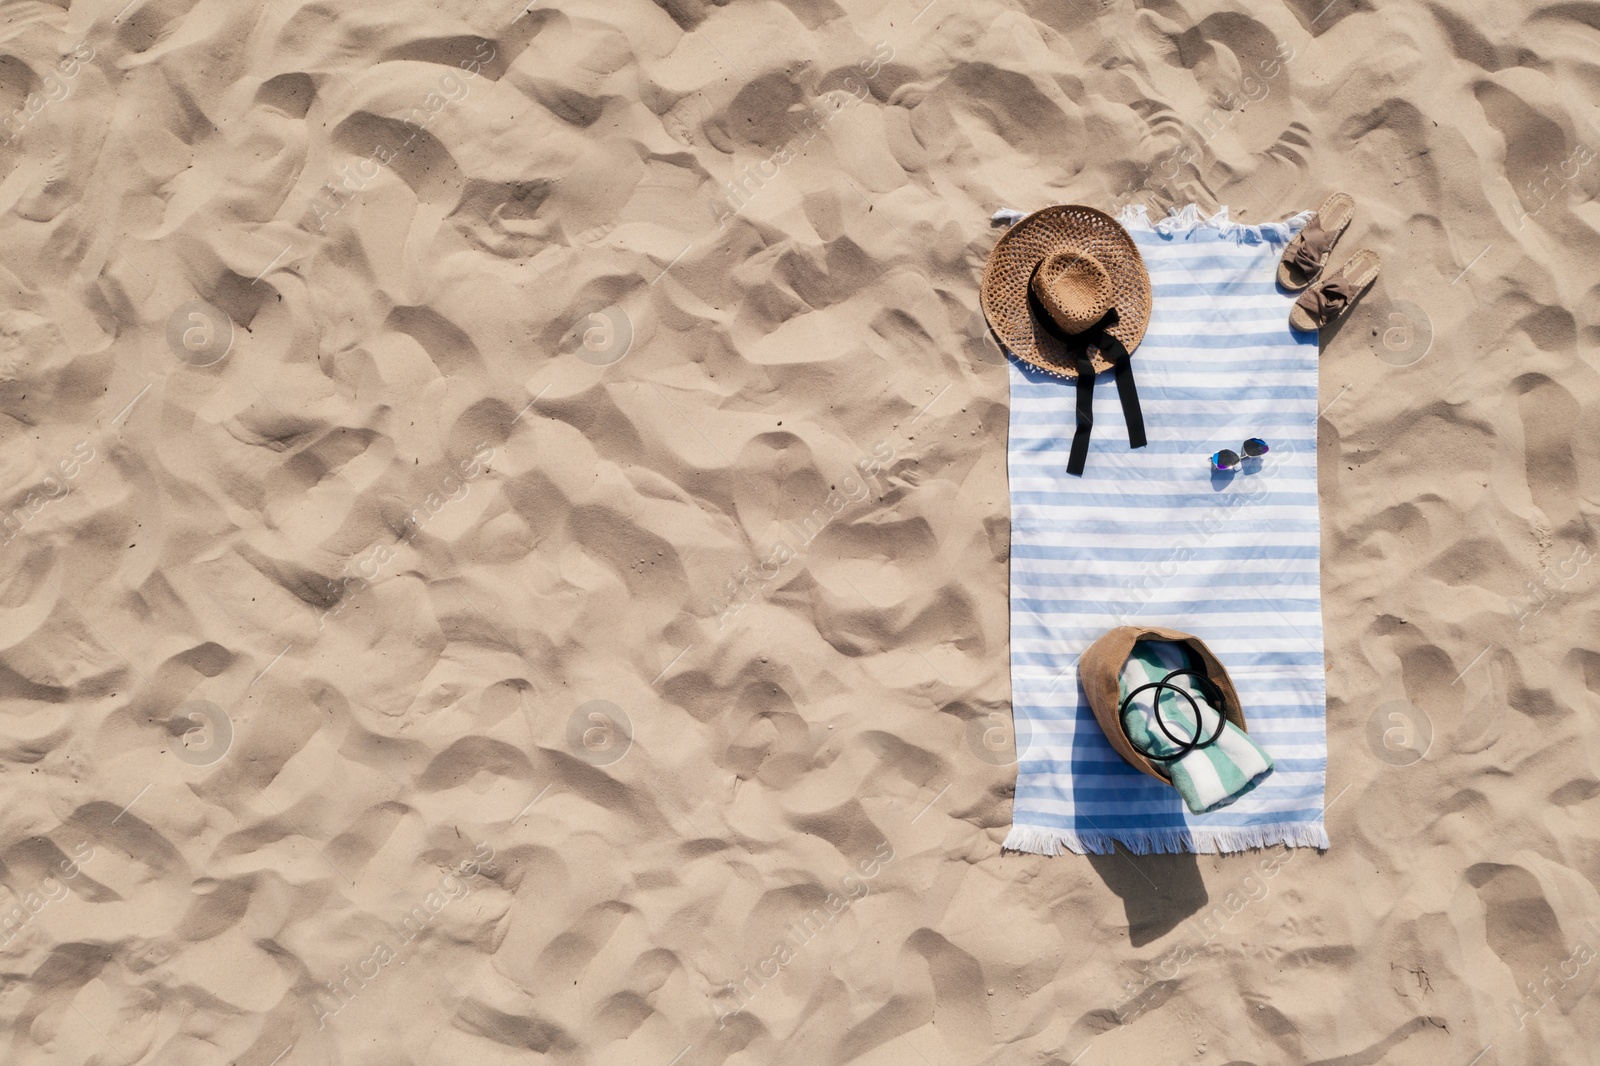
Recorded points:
(1080, 439)
(1128, 393)
(1116, 354)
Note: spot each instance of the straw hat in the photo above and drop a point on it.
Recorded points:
(1059, 271)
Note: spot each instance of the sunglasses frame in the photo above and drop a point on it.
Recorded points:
(1223, 466)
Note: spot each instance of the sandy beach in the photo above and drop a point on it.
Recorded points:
(505, 536)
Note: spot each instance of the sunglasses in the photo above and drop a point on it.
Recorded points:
(1228, 459)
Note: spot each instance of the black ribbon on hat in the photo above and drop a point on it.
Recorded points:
(1098, 336)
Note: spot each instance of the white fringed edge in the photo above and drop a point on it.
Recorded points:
(1200, 840)
(1188, 219)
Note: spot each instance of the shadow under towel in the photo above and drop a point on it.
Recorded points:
(1155, 537)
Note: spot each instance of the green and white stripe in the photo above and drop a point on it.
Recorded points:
(1207, 778)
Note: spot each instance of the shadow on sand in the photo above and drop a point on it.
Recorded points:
(1157, 891)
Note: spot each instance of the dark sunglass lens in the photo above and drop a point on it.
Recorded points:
(1226, 459)
(1255, 446)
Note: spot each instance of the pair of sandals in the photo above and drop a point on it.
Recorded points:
(1324, 298)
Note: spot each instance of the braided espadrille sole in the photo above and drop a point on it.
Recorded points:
(1333, 217)
(1359, 271)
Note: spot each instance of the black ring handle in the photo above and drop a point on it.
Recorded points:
(1185, 746)
(1209, 689)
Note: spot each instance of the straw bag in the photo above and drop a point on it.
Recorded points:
(1100, 670)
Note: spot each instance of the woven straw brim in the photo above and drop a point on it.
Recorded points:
(1072, 228)
(1099, 671)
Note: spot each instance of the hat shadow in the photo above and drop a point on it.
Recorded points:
(1157, 891)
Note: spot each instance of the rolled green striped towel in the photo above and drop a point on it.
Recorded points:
(1207, 778)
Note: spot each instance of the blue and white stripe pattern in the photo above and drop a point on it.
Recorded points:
(1155, 537)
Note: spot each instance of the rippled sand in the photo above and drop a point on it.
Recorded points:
(505, 537)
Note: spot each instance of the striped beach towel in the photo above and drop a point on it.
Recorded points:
(1154, 536)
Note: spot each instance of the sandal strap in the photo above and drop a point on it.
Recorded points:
(1099, 338)
(1327, 300)
(1310, 249)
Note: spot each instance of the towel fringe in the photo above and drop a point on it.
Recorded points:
(1188, 220)
(1200, 840)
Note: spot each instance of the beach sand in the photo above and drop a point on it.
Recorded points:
(505, 549)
